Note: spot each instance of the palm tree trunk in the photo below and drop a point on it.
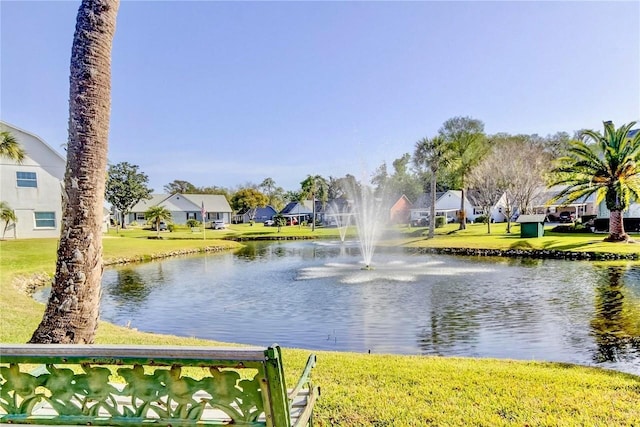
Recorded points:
(432, 210)
(462, 216)
(488, 216)
(616, 228)
(71, 315)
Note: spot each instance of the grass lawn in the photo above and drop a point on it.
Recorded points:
(475, 236)
(375, 390)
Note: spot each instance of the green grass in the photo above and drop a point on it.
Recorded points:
(375, 390)
(475, 236)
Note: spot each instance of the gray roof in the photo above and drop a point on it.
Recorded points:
(155, 200)
(424, 200)
(530, 218)
(212, 202)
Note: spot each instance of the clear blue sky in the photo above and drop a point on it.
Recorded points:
(224, 93)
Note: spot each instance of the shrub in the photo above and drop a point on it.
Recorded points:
(133, 223)
(171, 227)
(441, 221)
(482, 219)
(193, 223)
(577, 228)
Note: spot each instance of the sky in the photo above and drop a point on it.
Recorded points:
(230, 93)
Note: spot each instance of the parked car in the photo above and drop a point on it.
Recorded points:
(163, 226)
(269, 223)
(566, 216)
(292, 221)
(218, 225)
(422, 222)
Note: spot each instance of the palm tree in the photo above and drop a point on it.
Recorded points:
(10, 147)
(609, 167)
(157, 214)
(431, 153)
(315, 186)
(71, 315)
(467, 146)
(7, 215)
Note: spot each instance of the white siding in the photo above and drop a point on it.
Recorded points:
(45, 199)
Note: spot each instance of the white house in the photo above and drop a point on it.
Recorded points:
(184, 207)
(33, 189)
(447, 204)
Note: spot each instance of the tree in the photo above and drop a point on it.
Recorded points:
(431, 153)
(179, 186)
(248, 199)
(466, 144)
(339, 188)
(315, 187)
(157, 214)
(280, 221)
(274, 193)
(7, 215)
(10, 147)
(488, 184)
(402, 181)
(71, 314)
(610, 168)
(126, 187)
(522, 177)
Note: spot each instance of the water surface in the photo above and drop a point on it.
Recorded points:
(314, 295)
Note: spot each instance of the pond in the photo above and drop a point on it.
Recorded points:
(315, 295)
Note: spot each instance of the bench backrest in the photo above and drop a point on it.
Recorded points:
(116, 385)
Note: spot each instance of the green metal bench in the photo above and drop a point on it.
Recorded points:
(105, 385)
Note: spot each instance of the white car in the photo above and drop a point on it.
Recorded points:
(269, 223)
(218, 225)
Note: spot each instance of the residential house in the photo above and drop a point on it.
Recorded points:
(298, 212)
(447, 204)
(578, 208)
(257, 214)
(497, 212)
(33, 189)
(337, 212)
(184, 207)
(400, 211)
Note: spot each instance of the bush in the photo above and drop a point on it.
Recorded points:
(577, 228)
(441, 221)
(482, 219)
(133, 223)
(193, 223)
(171, 227)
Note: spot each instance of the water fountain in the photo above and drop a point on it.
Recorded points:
(340, 215)
(368, 212)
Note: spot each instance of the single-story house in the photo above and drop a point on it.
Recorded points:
(33, 188)
(337, 212)
(301, 211)
(257, 214)
(578, 208)
(184, 207)
(447, 204)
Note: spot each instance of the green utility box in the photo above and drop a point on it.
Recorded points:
(531, 225)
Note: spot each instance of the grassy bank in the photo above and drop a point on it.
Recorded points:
(362, 389)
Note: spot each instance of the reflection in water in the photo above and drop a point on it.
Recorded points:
(129, 286)
(616, 325)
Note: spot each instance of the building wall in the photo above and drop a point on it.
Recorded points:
(400, 212)
(39, 208)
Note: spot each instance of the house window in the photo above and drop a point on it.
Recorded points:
(139, 216)
(191, 215)
(26, 179)
(45, 219)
